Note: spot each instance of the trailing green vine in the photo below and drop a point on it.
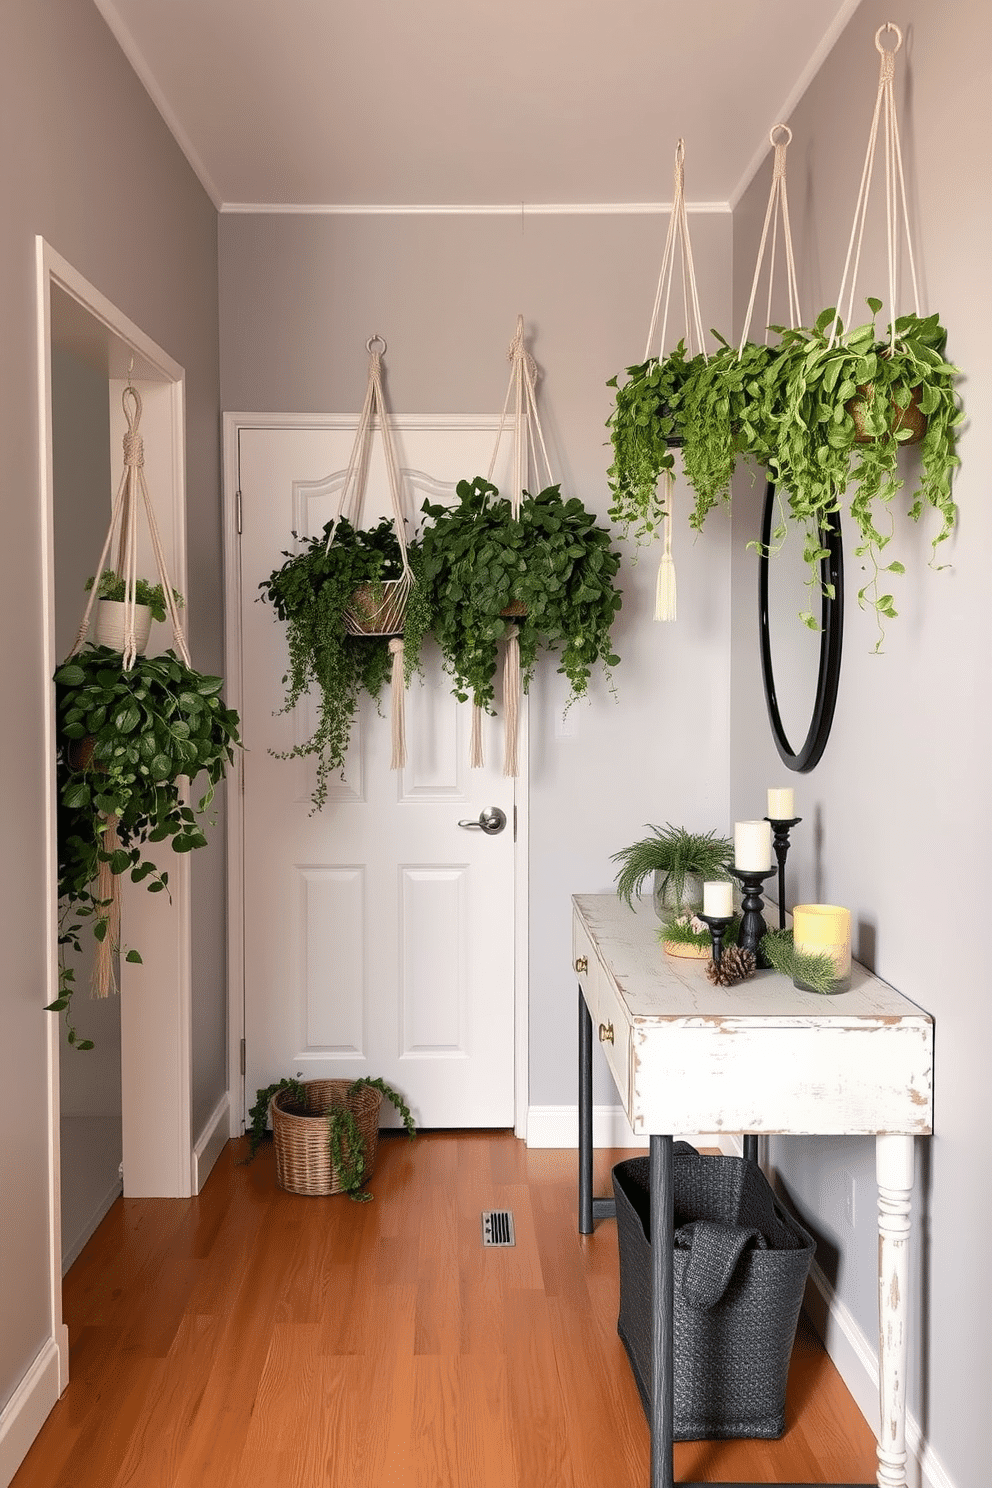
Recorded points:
(646, 424)
(310, 592)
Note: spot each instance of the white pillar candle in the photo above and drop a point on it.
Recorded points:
(781, 803)
(825, 930)
(753, 845)
(718, 899)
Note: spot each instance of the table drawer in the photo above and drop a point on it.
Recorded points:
(610, 1027)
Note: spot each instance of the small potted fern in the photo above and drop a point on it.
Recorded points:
(678, 862)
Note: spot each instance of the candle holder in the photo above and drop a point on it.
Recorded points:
(753, 925)
(718, 929)
(780, 841)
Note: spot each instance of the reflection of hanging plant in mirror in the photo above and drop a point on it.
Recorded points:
(477, 559)
(128, 742)
(646, 424)
(311, 592)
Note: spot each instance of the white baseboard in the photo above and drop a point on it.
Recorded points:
(212, 1141)
(856, 1361)
(558, 1126)
(27, 1409)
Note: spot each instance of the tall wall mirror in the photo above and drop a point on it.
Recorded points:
(800, 667)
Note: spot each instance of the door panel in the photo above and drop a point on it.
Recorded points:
(379, 934)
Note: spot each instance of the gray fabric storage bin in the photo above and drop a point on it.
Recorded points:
(741, 1263)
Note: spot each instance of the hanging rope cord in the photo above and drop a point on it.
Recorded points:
(778, 208)
(131, 492)
(678, 249)
(895, 195)
(351, 500)
(528, 443)
(124, 520)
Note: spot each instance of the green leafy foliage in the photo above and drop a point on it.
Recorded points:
(476, 559)
(814, 969)
(310, 593)
(674, 852)
(127, 740)
(111, 586)
(646, 423)
(726, 416)
(344, 1138)
(680, 931)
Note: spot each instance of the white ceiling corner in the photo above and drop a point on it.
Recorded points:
(495, 106)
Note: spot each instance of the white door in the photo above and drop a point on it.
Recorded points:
(378, 932)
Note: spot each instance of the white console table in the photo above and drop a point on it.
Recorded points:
(761, 1057)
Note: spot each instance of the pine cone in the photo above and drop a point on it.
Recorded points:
(735, 965)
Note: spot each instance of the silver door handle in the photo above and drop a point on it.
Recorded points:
(491, 820)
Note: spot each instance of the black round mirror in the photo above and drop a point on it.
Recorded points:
(831, 634)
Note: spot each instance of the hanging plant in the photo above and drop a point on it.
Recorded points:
(845, 404)
(552, 561)
(726, 414)
(130, 743)
(313, 592)
(646, 425)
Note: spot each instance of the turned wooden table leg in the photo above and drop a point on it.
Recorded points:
(894, 1171)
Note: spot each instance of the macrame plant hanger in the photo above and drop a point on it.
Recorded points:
(678, 249)
(895, 196)
(373, 615)
(528, 441)
(132, 494)
(776, 212)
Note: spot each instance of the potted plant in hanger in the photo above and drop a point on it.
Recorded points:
(726, 414)
(646, 424)
(318, 592)
(130, 743)
(149, 605)
(845, 403)
(549, 571)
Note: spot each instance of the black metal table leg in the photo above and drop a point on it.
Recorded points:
(662, 1305)
(590, 1209)
(751, 1147)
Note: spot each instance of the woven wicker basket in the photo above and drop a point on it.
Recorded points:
(378, 610)
(302, 1143)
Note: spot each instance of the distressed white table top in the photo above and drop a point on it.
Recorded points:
(857, 1061)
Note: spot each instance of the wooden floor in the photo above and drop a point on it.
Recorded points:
(256, 1338)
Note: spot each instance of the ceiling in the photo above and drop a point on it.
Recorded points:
(399, 104)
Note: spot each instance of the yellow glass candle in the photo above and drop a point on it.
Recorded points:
(824, 930)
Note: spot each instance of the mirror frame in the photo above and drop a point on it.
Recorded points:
(831, 641)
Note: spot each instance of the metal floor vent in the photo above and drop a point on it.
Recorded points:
(497, 1227)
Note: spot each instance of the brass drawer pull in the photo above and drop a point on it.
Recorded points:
(606, 1033)
(582, 963)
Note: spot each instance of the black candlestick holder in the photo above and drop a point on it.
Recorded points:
(780, 827)
(753, 925)
(718, 928)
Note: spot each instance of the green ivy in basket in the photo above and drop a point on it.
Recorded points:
(476, 558)
(343, 1136)
(647, 421)
(127, 742)
(310, 592)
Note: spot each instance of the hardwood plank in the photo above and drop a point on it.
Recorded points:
(251, 1336)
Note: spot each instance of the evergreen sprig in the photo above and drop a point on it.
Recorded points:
(815, 970)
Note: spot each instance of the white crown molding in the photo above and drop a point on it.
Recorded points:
(495, 209)
(792, 99)
(149, 82)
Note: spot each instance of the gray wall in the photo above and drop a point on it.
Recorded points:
(299, 298)
(897, 816)
(88, 164)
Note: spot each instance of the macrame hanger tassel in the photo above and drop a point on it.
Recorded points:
(398, 704)
(665, 604)
(511, 701)
(475, 755)
(103, 979)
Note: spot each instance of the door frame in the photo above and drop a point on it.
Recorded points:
(233, 424)
(156, 1022)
